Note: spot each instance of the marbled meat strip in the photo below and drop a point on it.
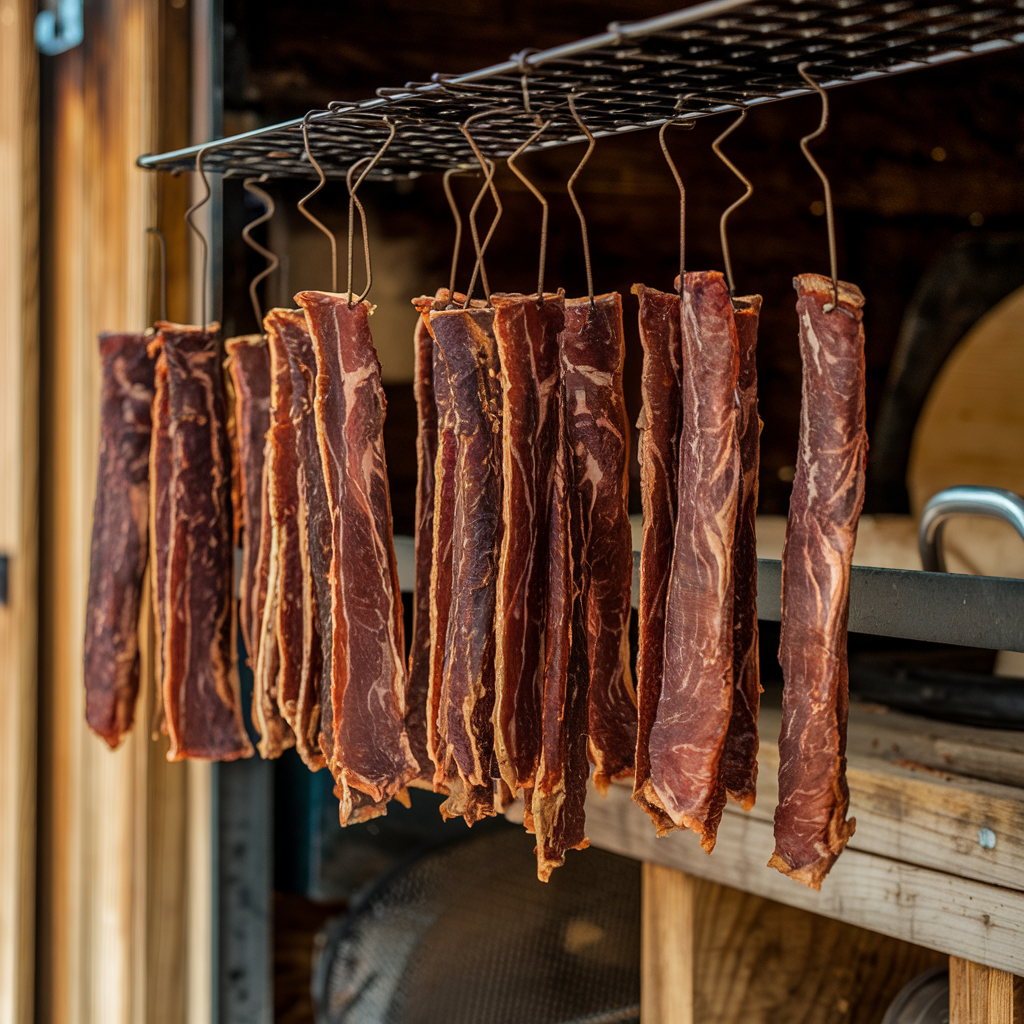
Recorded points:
(200, 683)
(526, 333)
(369, 750)
(811, 829)
(556, 804)
(659, 423)
(738, 767)
(313, 524)
(468, 350)
(592, 352)
(159, 516)
(696, 695)
(120, 536)
(248, 365)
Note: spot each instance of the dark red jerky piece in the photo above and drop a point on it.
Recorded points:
(556, 805)
(369, 749)
(159, 516)
(426, 458)
(811, 829)
(315, 544)
(592, 351)
(659, 424)
(694, 710)
(467, 347)
(738, 766)
(120, 536)
(248, 364)
(527, 338)
(201, 693)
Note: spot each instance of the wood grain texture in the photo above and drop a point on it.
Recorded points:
(667, 946)
(19, 460)
(983, 995)
(113, 826)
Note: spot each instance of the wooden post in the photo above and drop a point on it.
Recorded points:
(983, 995)
(19, 513)
(667, 951)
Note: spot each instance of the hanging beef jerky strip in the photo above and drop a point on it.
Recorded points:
(738, 767)
(592, 351)
(659, 424)
(159, 517)
(811, 829)
(467, 348)
(248, 364)
(696, 694)
(120, 536)
(369, 749)
(426, 459)
(201, 698)
(313, 524)
(527, 338)
(556, 804)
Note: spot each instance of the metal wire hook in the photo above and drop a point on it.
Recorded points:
(488, 168)
(716, 146)
(251, 185)
(162, 247)
(682, 191)
(306, 198)
(354, 204)
(447, 182)
(829, 216)
(538, 195)
(202, 238)
(572, 195)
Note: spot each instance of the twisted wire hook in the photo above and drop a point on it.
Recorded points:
(572, 195)
(453, 206)
(202, 238)
(251, 185)
(682, 191)
(355, 204)
(538, 195)
(716, 146)
(162, 247)
(487, 166)
(829, 216)
(306, 198)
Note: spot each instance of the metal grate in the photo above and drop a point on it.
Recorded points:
(690, 63)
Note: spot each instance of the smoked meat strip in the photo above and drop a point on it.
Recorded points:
(159, 517)
(659, 424)
(556, 804)
(592, 351)
(120, 536)
(468, 351)
(526, 333)
(313, 524)
(811, 829)
(368, 750)
(200, 682)
(248, 365)
(738, 767)
(694, 710)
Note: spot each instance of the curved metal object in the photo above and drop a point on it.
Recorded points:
(251, 185)
(682, 193)
(993, 502)
(723, 236)
(572, 194)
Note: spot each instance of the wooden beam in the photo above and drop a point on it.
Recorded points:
(667, 951)
(983, 995)
(19, 462)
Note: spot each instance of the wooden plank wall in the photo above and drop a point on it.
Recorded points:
(19, 379)
(114, 835)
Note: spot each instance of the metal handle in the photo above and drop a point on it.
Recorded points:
(994, 502)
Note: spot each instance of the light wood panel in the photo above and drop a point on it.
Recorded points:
(983, 995)
(114, 833)
(19, 368)
(667, 946)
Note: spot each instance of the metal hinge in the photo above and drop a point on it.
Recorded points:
(60, 27)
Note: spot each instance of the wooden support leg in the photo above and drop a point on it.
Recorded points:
(983, 995)
(667, 951)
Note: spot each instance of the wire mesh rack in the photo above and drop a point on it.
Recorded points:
(702, 60)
